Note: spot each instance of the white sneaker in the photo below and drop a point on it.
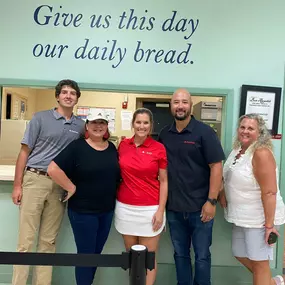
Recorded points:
(279, 280)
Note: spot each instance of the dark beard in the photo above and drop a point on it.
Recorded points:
(182, 118)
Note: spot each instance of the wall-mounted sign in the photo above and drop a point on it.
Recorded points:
(262, 100)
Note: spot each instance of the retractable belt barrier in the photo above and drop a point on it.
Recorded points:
(137, 260)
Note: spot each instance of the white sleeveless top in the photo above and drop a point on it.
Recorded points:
(244, 204)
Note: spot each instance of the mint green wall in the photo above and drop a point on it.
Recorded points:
(235, 43)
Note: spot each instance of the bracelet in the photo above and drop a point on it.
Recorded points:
(268, 228)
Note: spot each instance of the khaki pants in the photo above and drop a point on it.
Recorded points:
(41, 213)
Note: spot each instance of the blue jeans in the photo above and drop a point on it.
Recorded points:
(90, 233)
(184, 229)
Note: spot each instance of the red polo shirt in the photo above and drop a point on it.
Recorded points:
(139, 170)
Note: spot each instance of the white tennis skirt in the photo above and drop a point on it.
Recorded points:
(136, 220)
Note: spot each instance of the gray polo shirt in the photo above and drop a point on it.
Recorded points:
(47, 134)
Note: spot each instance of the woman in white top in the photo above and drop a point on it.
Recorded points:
(251, 198)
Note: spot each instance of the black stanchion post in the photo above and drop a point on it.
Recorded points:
(138, 269)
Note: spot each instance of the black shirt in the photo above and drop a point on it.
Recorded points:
(189, 154)
(95, 174)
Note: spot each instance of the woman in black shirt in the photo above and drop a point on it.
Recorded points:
(88, 170)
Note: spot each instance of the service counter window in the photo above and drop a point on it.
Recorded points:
(20, 104)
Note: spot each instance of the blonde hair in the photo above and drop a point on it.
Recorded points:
(264, 138)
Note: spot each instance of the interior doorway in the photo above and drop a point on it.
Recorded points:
(161, 116)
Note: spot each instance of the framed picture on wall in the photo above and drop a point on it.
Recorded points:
(262, 100)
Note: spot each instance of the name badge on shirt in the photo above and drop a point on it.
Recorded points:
(147, 152)
(188, 142)
(72, 131)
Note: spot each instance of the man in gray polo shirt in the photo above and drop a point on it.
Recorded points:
(38, 197)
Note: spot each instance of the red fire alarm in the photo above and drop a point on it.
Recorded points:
(125, 102)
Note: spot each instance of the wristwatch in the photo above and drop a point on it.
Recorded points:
(212, 201)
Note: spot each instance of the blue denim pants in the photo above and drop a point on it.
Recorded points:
(90, 233)
(187, 228)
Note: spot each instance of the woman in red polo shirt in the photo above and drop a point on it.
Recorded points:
(142, 195)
